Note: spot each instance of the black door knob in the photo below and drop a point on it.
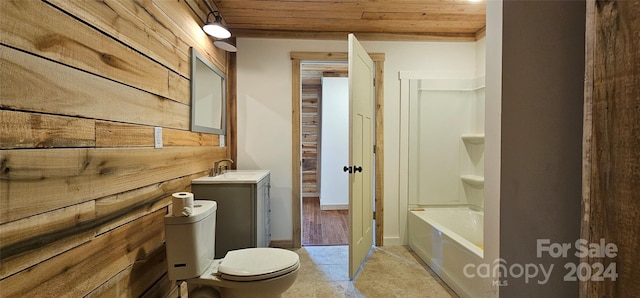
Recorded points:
(357, 169)
(347, 169)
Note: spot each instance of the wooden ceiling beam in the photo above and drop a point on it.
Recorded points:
(361, 35)
(391, 26)
(380, 6)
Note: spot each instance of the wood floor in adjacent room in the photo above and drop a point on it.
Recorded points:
(323, 227)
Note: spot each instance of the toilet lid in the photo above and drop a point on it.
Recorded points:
(257, 263)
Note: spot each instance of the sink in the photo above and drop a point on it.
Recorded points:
(237, 176)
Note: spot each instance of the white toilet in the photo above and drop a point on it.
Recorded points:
(249, 272)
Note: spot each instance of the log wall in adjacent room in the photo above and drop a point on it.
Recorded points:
(311, 85)
(83, 192)
(310, 128)
(611, 170)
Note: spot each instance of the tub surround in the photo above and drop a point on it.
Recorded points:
(444, 139)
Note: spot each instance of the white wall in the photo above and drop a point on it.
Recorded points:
(543, 63)
(264, 111)
(334, 149)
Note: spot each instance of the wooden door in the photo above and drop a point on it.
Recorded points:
(361, 135)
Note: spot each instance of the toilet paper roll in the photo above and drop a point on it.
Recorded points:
(182, 204)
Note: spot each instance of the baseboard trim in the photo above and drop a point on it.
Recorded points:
(335, 207)
(281, 243)
(392, 241)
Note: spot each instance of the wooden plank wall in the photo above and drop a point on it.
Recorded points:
(611, 172)
(83, 192)
(311, 76)
(311, 96)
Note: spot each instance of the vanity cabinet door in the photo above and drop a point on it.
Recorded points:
(243, 214)
(235, 216)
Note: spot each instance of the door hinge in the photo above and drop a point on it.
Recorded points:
(374, 149)
(374, 81)
(374, 215)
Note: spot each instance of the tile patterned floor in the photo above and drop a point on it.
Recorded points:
(392, 271)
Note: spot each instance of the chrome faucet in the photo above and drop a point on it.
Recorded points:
(217, 168)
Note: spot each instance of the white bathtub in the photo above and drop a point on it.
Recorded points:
(448, 239)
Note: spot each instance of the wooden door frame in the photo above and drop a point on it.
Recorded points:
(609, 150)
(296, 176)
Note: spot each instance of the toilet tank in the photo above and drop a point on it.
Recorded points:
(191, 241)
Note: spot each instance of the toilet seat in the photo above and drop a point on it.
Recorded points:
(253, 264)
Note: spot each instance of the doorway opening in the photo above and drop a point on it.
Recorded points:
(300, 182)
(324, 106)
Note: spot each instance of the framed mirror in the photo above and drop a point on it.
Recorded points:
(208, 95)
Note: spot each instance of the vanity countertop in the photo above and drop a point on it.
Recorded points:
(234, 176)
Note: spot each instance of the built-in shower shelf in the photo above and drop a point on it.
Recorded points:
(473, 138)
(474, 180)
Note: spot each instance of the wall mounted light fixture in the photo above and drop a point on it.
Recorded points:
(215, 28)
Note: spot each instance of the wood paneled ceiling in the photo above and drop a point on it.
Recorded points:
(370, 20)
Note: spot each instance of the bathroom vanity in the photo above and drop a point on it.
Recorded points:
(243, 208)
